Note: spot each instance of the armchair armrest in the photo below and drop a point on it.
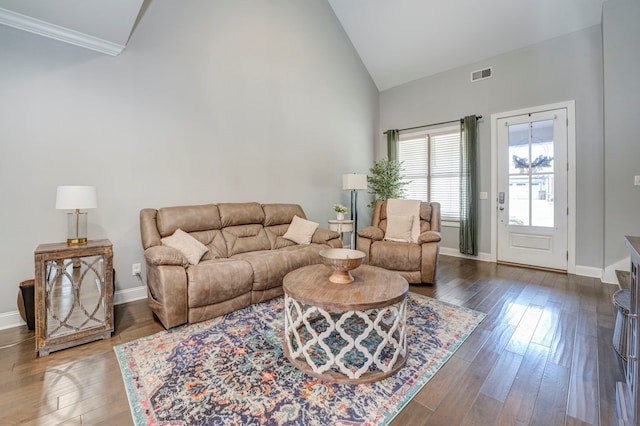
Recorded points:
(371, 232)
(163, 255)
(429, 237)
(324, 236)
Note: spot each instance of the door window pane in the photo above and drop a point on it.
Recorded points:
(542, 169)
(519, 148)
(531, 170)
(519, 161)
(542, 203)
(519, 200)
(542, 146)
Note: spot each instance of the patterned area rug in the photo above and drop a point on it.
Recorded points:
(231, 371)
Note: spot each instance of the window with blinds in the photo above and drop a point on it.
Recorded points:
(431, 165)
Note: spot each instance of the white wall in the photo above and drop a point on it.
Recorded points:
(210, 102)
(562, 69)
(621, 37)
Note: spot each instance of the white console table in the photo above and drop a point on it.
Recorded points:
(342, 226)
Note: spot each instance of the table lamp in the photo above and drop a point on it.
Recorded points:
(76, 198)
(354, 182)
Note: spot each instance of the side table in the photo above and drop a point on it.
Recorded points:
(73, 294)
(342, 226)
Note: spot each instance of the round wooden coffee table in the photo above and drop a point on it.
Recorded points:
(346, 333)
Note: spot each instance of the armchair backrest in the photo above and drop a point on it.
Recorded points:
(429, 216)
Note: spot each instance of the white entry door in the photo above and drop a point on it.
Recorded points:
(532, 189)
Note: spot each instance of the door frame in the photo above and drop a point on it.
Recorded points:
(571, 176)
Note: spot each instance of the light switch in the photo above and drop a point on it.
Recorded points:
(636, 180)
(484, 195)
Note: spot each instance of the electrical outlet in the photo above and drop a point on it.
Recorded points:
(136, 269)
(636, 180)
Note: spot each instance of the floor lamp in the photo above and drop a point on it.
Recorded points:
(354, 182)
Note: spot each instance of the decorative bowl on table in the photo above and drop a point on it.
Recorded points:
(342, 261)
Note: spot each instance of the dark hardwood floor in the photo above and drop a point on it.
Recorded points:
(542, 356)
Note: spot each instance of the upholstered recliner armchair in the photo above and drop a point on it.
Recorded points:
(415, 261)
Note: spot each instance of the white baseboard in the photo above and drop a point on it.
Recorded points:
(609, 274)
(130, 294)
(10, 319)
(447, 251)
(589, 271)
(13, 319)
(585, 271)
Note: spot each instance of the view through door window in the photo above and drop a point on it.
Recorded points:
(531, 174)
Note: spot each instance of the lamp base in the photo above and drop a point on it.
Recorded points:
(76, 228)
(76, 241)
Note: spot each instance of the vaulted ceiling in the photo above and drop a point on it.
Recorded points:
(398, 41)
(403, 40)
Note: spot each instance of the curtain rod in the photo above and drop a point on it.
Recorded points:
(432, 124)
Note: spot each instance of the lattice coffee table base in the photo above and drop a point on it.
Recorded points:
(346, 347)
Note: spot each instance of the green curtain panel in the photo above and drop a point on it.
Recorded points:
(393, 136)
(469, 186)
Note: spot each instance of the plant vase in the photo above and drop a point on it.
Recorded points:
(340, 216)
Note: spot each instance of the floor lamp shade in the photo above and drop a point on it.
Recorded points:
(76, 198)
(354, 181)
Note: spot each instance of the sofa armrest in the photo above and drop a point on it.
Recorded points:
(372, 233)
(167, 293)
(163, 255)
(324, 236)
(429, 237)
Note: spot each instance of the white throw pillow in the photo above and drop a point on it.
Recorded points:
(399, 228)
(191, 248)
(301, 230)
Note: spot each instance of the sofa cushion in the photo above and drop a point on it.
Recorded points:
(280, 214)
(190, 247)
(245, 238)
(395, 256)
(214, 241)
(270, 266)
(215, 281)
(275, 234)
(301, 230)
(232, 214)
(187, 218)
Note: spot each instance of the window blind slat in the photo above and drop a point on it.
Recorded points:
(431, 165)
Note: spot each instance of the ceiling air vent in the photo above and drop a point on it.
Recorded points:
(482, 74)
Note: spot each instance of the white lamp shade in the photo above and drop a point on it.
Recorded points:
(354, 181)
(76, 197)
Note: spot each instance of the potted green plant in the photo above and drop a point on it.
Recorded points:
(385, 180)
(340, 211)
